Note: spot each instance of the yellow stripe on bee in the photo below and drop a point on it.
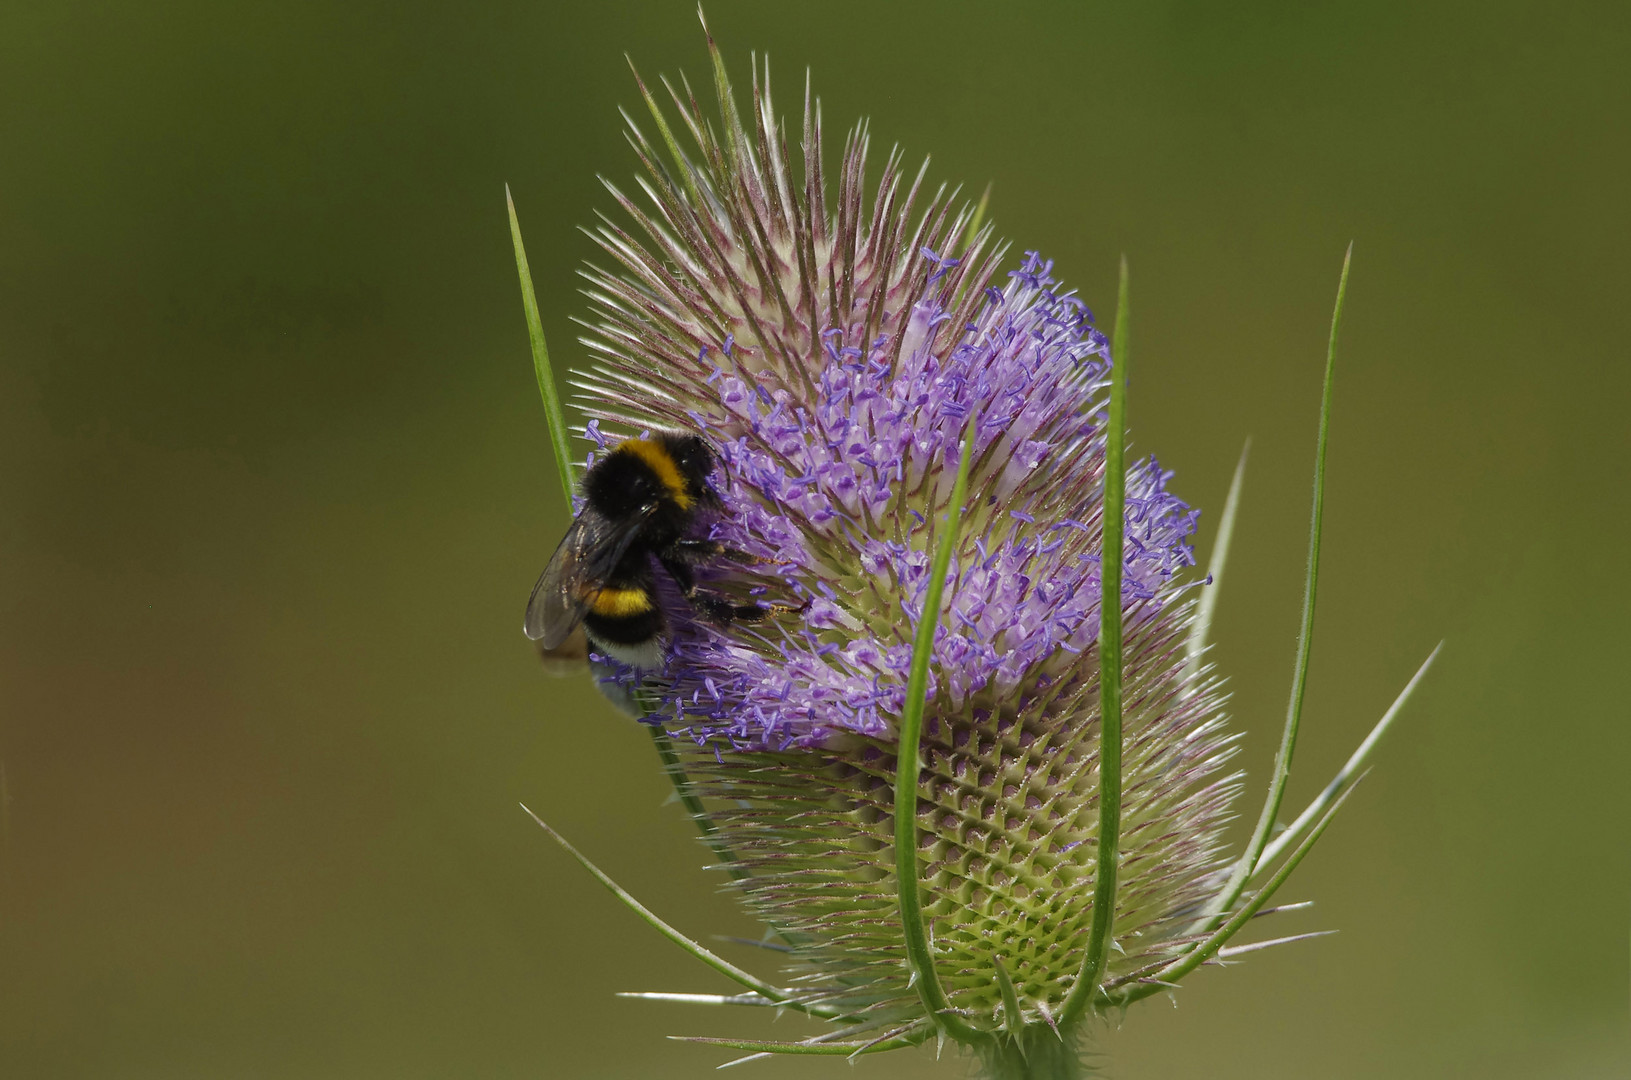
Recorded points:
(614, 603)
(662, 463)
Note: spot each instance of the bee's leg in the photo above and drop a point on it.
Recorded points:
(720, 610)
(694, 551)
(717, 609)
(681, 572)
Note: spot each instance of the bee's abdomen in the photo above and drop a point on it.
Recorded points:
(623, 616)
(613, 602)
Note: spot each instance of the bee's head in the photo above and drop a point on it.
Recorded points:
(695, 463)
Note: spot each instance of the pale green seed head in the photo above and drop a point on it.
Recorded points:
(1008, 837)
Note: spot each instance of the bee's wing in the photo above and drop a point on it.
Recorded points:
(570, 658)
(572, 580)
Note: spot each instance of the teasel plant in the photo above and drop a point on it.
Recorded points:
(973, 803)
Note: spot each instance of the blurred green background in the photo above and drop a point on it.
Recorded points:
(276, 483)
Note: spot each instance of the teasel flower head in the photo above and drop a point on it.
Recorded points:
(916, 441)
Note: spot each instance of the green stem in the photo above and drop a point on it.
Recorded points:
(1037, 1053)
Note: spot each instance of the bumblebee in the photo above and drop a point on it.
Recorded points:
(640, 503)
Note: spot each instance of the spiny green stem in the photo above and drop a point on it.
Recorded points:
(1115, 494)
(908, 765)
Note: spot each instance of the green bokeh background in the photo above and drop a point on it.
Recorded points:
(276, 482)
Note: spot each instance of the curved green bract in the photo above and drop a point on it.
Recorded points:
(724, 967)
(1115, 497)
(1249, 859)
(540, 360)
(907, 766)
